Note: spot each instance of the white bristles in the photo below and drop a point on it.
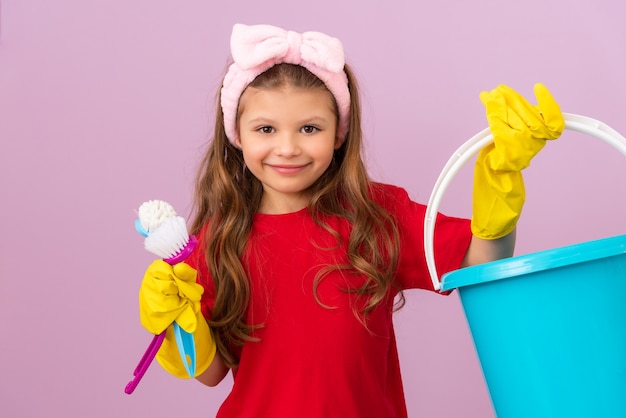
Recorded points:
(168, 239)
(167, 232)
(154, 213)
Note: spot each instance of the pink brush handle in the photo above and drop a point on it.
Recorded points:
(145, 362)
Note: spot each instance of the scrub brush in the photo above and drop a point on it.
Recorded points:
(165, 232)
(167, 237)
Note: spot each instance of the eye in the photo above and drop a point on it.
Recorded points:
(309, 129)
(266, 129)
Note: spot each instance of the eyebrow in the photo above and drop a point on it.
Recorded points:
(261, 119)
(305, 121)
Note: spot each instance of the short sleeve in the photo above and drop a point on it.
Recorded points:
(452, 239)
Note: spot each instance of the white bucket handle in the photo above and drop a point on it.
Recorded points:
(470, 148)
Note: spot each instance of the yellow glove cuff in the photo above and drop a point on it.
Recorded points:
(169, 357)
(497, 200)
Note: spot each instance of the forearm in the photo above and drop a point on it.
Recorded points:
(483, 251)
(215, 373)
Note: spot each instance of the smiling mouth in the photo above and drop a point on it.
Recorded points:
(287, 169)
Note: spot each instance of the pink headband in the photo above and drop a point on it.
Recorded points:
(255, 49)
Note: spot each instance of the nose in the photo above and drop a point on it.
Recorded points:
(287, 145)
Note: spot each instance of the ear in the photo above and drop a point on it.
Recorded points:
(338, 142)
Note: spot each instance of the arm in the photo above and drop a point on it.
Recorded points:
(483, 250)
(216, 372)
(520, 130)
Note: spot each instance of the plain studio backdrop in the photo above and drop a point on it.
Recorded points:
(107, 104)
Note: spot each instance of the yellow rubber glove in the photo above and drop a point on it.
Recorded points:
(168, 355)
(169, 294)
(520, 131)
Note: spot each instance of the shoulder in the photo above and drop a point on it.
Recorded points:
(389, 196)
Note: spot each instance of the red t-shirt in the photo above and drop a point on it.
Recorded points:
(320, 361)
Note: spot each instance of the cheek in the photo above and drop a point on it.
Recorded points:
(325, 151)
(254, 154)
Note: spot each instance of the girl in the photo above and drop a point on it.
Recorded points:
(302, 258)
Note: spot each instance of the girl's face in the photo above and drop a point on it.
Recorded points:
(287, 136)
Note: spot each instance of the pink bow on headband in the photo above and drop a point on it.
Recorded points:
(257, 48)
(254, 45)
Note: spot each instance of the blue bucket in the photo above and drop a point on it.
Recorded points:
(550, 329)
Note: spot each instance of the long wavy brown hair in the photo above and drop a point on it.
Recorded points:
(227, 196)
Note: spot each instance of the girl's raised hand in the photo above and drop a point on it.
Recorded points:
(520, 131)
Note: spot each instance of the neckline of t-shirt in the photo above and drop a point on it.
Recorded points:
(297, 213)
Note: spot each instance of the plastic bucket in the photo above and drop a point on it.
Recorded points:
(549, 327)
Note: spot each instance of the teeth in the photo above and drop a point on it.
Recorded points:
(154, 213)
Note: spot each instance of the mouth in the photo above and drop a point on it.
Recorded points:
(287, 169)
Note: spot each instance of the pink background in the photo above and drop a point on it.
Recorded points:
(106, 104)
